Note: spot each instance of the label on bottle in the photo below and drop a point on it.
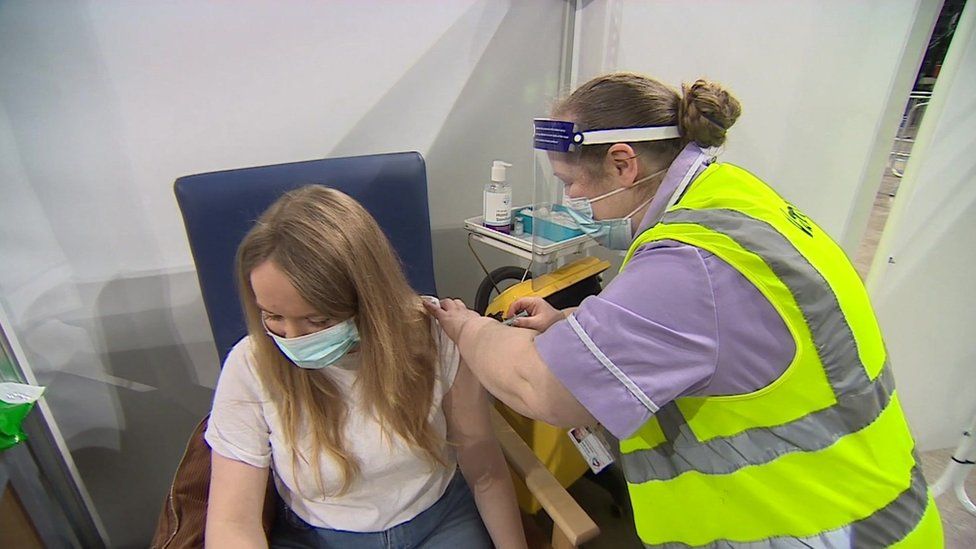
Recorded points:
(498, 209)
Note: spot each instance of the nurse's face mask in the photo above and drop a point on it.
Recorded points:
(558, 145)
(318, 349)
(615, 233)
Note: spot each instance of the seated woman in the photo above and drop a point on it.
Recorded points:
(351, 395)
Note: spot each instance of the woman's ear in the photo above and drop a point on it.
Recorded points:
(622, 164)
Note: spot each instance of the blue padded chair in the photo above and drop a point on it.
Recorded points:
(220, 207)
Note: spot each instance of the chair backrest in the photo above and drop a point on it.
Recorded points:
(220, 207)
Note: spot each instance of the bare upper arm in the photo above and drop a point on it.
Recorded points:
(543, 395)
(466, 409)
(550, 400)
(236, 491)
(506, 361)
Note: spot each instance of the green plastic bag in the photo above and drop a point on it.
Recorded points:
(16, 401)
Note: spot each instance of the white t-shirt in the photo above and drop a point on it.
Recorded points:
(395, 483)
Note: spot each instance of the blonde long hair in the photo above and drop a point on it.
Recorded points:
(341, 263)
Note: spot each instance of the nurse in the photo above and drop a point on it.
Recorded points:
(736, 357)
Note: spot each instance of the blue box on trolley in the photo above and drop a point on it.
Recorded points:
(552, 223)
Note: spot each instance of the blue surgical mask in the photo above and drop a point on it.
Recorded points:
(319, 349)
(613, 234)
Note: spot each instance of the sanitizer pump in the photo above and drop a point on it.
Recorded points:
(498, 199)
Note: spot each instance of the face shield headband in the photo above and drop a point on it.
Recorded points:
(562, 136)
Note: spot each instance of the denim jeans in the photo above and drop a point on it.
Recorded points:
(453, 521)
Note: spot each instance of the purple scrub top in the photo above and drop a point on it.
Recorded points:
(678, 321)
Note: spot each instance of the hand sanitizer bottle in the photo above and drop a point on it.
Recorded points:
(498, 199)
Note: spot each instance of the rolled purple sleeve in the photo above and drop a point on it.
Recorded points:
(649, 337)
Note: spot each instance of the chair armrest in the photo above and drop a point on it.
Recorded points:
(566, 514)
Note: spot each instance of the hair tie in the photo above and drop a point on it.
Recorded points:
(712, 120)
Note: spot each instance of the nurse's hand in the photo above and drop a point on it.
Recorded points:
(541, 313)
(451, 314)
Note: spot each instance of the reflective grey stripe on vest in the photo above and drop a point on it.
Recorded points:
(859, 399)
(832, 336)
(682, 452)
(884, 527)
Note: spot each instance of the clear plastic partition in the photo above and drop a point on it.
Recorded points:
(553, 220)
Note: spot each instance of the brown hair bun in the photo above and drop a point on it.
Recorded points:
(706, 112)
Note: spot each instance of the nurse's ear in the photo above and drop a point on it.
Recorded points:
(622, 163)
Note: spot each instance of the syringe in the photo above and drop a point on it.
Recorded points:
(511, 320)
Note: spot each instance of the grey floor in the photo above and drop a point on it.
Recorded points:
(617, 532)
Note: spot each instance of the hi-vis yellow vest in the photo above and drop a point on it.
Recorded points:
(822, 456)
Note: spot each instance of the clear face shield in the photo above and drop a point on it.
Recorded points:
(558, 220)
